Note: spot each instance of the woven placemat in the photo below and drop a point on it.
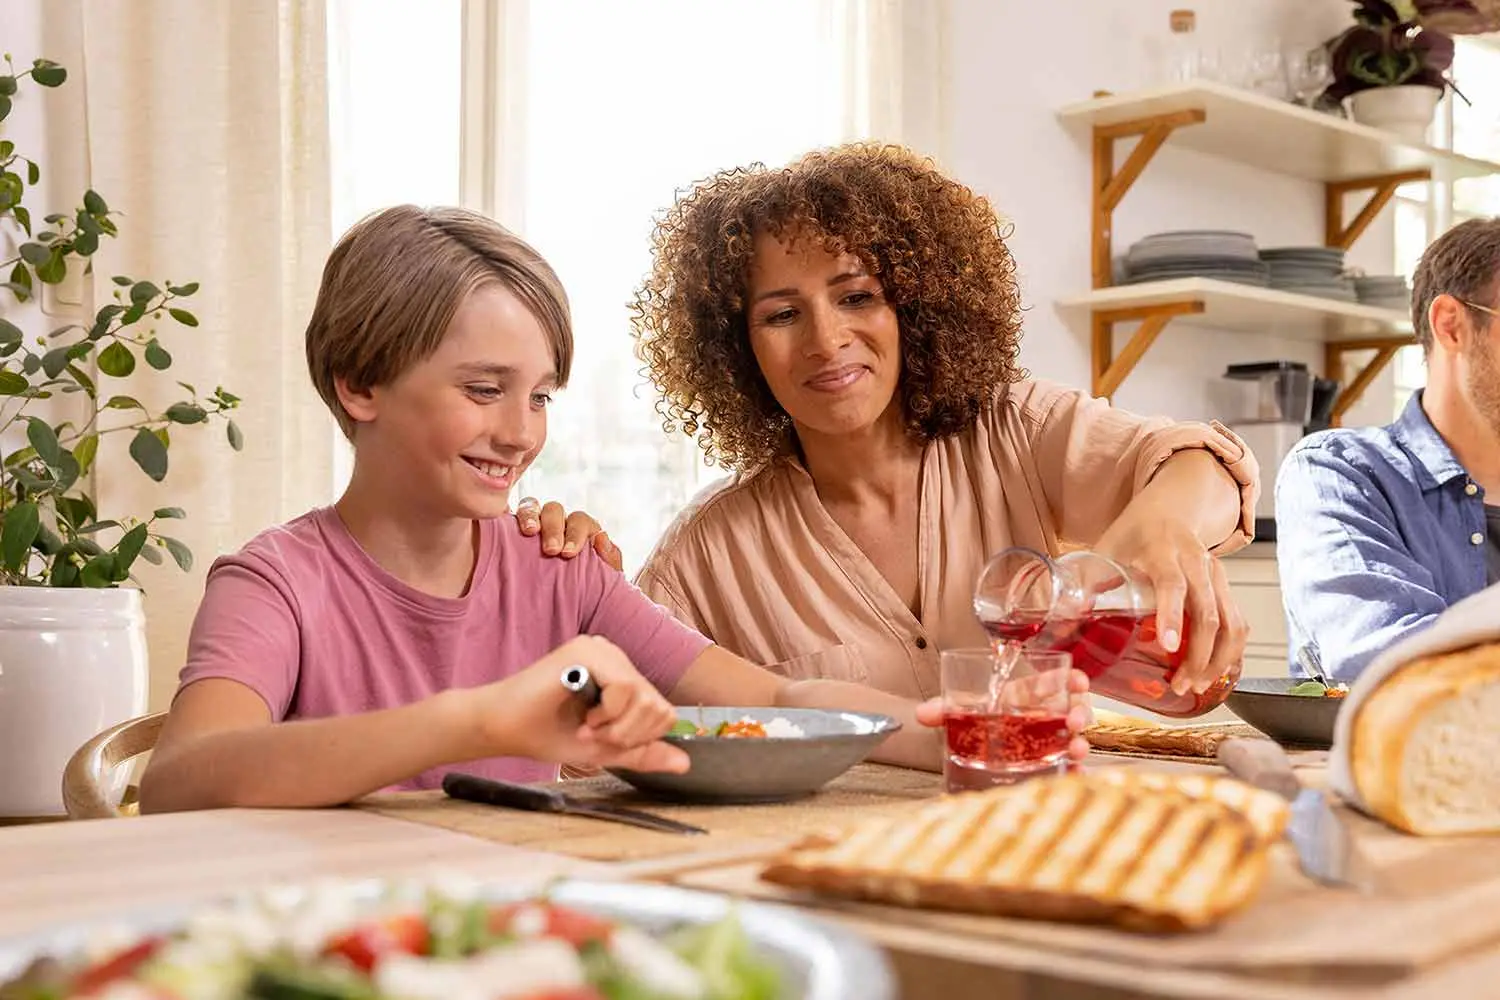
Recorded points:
(863, 791)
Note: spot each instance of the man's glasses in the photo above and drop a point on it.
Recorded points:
(1476, 305)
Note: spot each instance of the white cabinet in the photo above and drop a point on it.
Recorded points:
(1252, 576)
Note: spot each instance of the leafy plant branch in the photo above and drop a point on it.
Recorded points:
(51, 532)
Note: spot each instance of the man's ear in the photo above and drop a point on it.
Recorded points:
(1448, 319)
(359, 404)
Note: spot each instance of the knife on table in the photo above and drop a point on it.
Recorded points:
(1325, 850)
(539, 798)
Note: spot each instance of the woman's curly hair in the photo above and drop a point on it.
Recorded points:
(936, 247)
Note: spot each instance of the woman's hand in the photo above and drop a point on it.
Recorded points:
(531, 715)
(1080, 715)
(566, 535)
(1193, 603)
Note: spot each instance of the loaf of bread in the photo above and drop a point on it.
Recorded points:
(1068, 848)
(1424, 749)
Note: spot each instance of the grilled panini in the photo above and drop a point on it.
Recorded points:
(1070, 848)
(1267, 812)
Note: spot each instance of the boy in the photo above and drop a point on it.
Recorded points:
(410, 628)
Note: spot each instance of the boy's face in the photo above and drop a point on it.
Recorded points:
(457, 430)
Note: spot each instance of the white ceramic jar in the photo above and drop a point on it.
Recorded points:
(72, 663)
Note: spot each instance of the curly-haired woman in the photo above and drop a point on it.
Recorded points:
(843, 334)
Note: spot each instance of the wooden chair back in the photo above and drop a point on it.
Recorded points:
(92, 767)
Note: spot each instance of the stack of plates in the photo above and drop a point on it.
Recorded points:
(1309, 271)
(1384, 291)
(1196, 253)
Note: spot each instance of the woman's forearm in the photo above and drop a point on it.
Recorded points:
(914, 745)
(1192, 487)
(313, 762)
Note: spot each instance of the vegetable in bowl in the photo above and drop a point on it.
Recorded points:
(328, 943)
(1317, 689)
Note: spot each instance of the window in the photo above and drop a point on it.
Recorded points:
(1473, 130)
(393, 114)
(575, 124)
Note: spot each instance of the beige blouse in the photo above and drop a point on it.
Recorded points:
(758, 565)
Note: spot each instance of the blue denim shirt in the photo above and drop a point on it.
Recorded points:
(1378, 531)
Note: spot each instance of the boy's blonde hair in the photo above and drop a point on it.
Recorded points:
(393, 282)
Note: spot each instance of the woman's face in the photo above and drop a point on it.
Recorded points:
(828, 343)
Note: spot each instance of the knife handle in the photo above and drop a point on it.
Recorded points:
(1261, 763)
(581, 684)
(487, 791)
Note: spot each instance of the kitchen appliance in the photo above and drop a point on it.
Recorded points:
(1275, 406)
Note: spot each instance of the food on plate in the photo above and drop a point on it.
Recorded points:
(745, 728)
(1424, 741)
(432, 946)
(1066, 848)
(1317, 689)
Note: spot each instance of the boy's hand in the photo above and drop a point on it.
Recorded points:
(566, 535)
(532, 715)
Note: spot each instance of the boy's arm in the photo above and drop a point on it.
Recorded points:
(220, 747)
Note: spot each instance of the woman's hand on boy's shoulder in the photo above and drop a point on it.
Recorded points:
(532, 715)
(566, 534)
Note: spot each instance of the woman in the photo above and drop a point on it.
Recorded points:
(843, 334)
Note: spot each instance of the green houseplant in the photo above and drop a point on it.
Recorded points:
(72, 638)
(50, 531)
(1391, 67)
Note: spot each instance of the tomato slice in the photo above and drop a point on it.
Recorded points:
(115, 968)
(568, 925)
(365, 945)
(568, 993)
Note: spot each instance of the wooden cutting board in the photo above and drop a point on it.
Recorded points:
(1437, 900)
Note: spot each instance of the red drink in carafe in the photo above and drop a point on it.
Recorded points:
(1119, 652)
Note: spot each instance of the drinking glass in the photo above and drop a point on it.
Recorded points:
(1005, 715)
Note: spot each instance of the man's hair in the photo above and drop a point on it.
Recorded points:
(393, 283)
(1464, 262)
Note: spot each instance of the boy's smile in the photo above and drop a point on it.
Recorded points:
(453, 433)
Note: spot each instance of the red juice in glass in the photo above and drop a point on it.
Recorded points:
(985, 750)
(1004, 715)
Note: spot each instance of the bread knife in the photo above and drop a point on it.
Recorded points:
(1325, 850)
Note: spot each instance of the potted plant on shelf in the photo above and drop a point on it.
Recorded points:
(1390, 67)
(72, 631)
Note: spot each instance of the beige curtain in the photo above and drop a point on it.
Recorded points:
(207, 130)
(895, 84)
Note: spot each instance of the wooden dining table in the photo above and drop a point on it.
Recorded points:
(1432, 931)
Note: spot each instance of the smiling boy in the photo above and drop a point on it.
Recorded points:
(411, 627)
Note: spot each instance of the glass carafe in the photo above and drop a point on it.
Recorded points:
(1101, 612)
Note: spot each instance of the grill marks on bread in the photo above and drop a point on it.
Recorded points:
(1139, 854)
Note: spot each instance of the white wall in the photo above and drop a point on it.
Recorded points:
(1010, 66)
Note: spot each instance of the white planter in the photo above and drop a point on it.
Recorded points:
(72, 664)
(1405, 110)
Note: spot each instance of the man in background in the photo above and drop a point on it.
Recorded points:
(1380, 529)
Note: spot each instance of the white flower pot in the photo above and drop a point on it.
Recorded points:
(72, 664)
(1405, 110)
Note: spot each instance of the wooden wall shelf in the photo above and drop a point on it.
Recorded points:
(1228, 306)
(1277, 136)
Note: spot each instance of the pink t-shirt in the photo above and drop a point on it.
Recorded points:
(306, 619)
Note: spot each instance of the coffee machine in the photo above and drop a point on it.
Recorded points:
(1278, 402)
